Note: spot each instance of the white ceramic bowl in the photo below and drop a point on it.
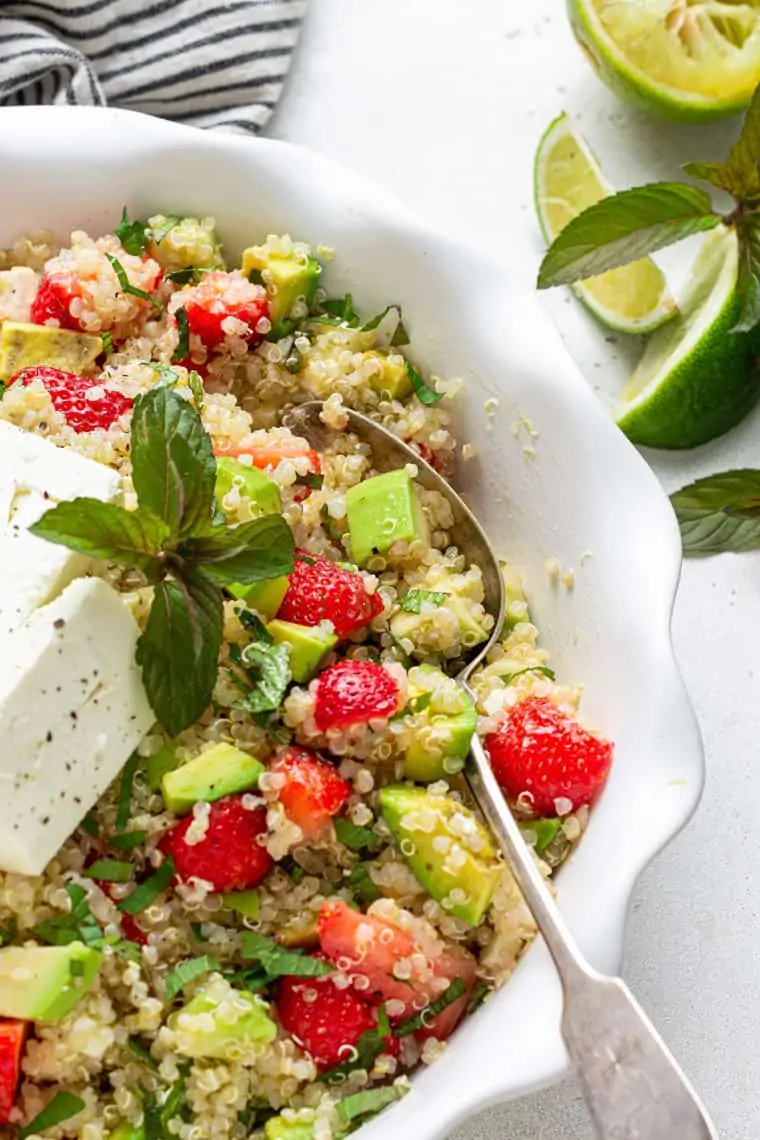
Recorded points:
(585, 497)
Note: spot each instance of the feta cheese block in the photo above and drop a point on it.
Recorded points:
(72, 709)
(34, 476)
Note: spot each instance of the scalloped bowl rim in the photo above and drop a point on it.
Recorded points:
(545, 442)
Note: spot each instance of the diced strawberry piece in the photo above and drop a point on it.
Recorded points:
(364, 946)
(320, 590)
(542, 754)
(12, 1040)
(313, 792)
(220, 296)
(352, 692)
(84, 402)
(229, 856)
(325, 1021)
(51, 306)
(427, 454)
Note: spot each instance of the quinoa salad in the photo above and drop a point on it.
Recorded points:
(244, 887)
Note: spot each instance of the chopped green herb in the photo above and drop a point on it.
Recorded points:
(544, 670)
(294, 360)
(189, 276)
(255, 1115)
(90, 825)
(400, 335)
(480, 992)
(354, 837)
(279, 962)
(342, 310)
(368, 1103)
(412, 601)
(369, 1047)
(8, 932)
(125, 791)
(138, 1050)
(132, 235)
(127, 287)
(128, 949)
(545, 831)
(256, 277)
(195, 383)
(110, 871)
(425, 394)
(423, 1019)
(362, 885)
(62, 1107)
(107, 342)
(77, 926)
(182, 351)
(170, 221)
(310, 479)
(197, 929)
(128, 840)
(262, 673)
(187, 972)
(292, 869)
(148, 891)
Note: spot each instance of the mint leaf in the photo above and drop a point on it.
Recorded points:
(102, 530)
(179, 649)
(280, 962)
(368, 1048)
(132, 235)
(138, 1050)
(543, 670)
(748, 285)
(173, 465)
(254, 551)
(189, 276)
(128, 840)
(342, 310)
(183, 344)
(266, 674)
(362, 886)
(142, 896)
(62, 1107)
(624, 228)
(354, 837)
(128, 287)
(421, 1020)
(364, 1104)
(78, 925)
(744, 156)
(412, 601)
(719, 514)
(110, 871)
(187, 972)
(424, 393)
(717, 174)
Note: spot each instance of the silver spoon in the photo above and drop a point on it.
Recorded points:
(633, 1086)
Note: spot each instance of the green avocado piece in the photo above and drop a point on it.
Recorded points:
(472, 632)
(43, 983)
(157, 765)
(278, 1128)
(26, 346)
(469, 864)
(440, 744)
(263, 492)
(247, 903)
(392, 381)
(383, 510)
(308, 644)
(184, 243)
(128, 1132)
(286, 278)
(218, 772)
(264, 597)
(242, 1019)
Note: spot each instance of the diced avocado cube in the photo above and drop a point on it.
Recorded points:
(220, 1019)
(263, 597)
(439, 745)
(43, 983)
(381, 511)
(220, 771)
(307, 644)
(263, 492)
(286, 278)
(278, 1128)
(184, 243)
(545, 831)
(392, 381)
(471, 631)
(247, 903)
(128, 1132)
(26, 346)
(447, 849)
(157, 765)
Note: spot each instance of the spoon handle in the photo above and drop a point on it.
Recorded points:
(633, 1087)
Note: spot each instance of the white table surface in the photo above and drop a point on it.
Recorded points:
(443, 101)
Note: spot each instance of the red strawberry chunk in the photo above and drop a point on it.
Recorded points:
(542, 754)
(313, 792)
(218, 297)
(352, 692)
(84, 402)
(370, 950)
(320, 590)
(51, 306)
(325, 1021)
(229, 856)
(12, 1041)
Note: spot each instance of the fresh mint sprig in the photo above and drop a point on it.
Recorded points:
(632, 224)
(173, 538)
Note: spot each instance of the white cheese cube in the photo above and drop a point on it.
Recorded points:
(34, 476)
(72, 709)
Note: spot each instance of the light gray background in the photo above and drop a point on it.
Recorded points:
(443, 102)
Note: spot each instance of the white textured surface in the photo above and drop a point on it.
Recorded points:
(443, 101)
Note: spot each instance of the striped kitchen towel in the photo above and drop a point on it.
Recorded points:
(212, 63)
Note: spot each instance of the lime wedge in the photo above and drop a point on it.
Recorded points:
(696, 379)
(633, 299)
(687, 60)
